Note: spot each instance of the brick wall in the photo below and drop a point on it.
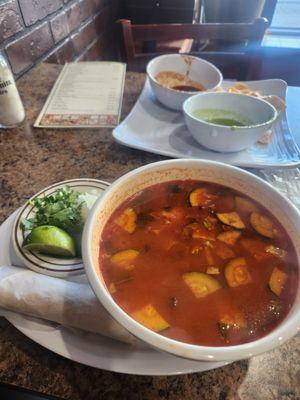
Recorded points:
(56, 31)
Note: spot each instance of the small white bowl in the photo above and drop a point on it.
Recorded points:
(200, 71)
(226, 138)
(207, 171)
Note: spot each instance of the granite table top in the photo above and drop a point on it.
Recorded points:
(31, 159)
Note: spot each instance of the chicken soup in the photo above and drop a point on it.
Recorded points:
(199, 263)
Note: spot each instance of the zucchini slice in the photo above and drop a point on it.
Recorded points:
(200, 197)
(232, 219)
(236, 273)
(244, 205)
(201, 284)
(263, 225)
(124, 258)
(229, 237)
(150, 318)
(127, 220)
(277, 281)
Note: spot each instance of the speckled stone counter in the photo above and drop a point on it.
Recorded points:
(31, 159)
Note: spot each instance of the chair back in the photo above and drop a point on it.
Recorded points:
(160, 12)
(248, 35)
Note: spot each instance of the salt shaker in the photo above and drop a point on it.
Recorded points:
(11, 107)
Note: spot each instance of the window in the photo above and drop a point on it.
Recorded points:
(285, 28)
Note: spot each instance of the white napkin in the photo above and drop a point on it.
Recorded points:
(286, 180)
(67, 303)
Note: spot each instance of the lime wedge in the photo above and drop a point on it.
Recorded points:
(50, 240)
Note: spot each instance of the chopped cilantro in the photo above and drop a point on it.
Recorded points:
(61, 209)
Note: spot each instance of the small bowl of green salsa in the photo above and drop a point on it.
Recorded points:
(227, 122)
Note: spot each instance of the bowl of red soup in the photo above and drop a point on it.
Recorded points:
(196, 258)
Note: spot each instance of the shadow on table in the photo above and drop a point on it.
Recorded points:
(218, 384)
(29, 365)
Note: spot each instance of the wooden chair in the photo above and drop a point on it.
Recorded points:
(159, 12)
(234, 63)
(162, 12)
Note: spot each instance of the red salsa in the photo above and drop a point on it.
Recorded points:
(199, 263)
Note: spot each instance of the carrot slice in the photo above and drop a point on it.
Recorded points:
(127, 220)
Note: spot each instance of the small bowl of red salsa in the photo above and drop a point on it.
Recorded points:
(197, 258)
(176, 77)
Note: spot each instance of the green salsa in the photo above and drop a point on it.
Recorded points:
(221, 117)
(226, 121)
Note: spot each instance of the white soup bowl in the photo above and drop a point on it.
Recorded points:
(207, 171)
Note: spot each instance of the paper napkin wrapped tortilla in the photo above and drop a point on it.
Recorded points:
(66, 302)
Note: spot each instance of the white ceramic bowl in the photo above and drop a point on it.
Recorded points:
(209, 171)
(200, 71)
(225, 138)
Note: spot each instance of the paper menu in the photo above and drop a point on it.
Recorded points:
(86, 94)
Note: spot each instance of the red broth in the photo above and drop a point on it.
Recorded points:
(199, 263)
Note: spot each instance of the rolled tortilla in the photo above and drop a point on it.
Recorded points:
(67, 303)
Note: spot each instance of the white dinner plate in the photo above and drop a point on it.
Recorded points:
(152, 127)
(50, 265)
(92, 349)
